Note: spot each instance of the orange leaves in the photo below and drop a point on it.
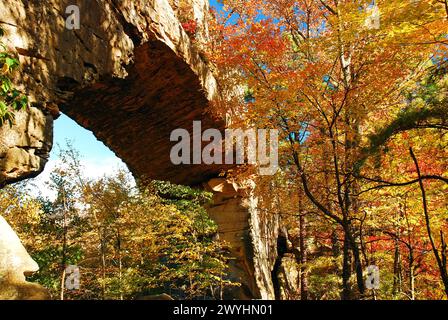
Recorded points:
(251, 46)
(340, 71)
(190, 27)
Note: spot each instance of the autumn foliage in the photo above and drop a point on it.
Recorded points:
(359, 91)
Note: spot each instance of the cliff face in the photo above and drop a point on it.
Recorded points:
(25, 146)
(131, 74)
(251, 235)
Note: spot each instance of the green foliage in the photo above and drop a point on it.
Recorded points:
(427, 107)
(324, 282)
(48, 258)
(188, 201)
(167, 242)
(168, 190)
(127, 241)
(10, 98)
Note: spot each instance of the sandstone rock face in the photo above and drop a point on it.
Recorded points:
(232, 218)
(252, 238)
(193, 10)
(264, 231)
(14, 264)
(288, 278)
(25, 147)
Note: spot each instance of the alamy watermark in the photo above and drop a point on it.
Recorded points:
(373, 20)
(237, 146)
(73, 21)
(72, 278)
(373, 277)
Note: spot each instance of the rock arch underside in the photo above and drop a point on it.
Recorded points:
(131, 75)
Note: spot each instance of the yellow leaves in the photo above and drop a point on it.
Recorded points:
(5, 69)
(414, 22)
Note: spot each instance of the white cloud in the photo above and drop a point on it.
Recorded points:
(92, 168)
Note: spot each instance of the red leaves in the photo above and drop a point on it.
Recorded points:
(190, 27)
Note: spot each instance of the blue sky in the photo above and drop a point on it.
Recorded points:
(83, 140)
(96, 159)
(215, 4)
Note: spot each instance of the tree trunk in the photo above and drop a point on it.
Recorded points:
(303, 258)
(335, 245)
(64, 244)
(397, 269)
(353, 247)
(358, 265)
(346, 269)
(103, 267)
(120, 264)
(411, 276)
(441, 261)
(62, 285)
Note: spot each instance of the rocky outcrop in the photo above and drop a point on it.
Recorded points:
(288, 278)
(25, 146)
(14, 264)
(264, 230)
(251, 236)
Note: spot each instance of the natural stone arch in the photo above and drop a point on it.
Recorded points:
(130, 75)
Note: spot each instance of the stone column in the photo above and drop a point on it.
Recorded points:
(251, 235)
(15, 263)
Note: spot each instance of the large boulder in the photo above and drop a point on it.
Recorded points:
(15, 263)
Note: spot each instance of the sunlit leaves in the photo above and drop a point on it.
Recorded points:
(343, 74)
(10, 98)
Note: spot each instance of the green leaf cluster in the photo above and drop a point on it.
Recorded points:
(11, 99)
